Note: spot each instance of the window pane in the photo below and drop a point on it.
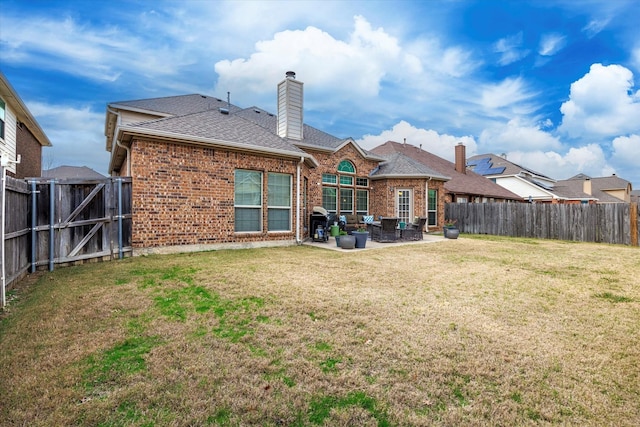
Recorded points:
(346, 201)
(362, 182)
(328, 178)
(279, 187)
(329, 199)
(247, 219)
(278, 220)
(346, 180)
(362, 202)
(346, 166)
(248, 188)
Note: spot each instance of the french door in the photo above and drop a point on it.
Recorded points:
(404, 205)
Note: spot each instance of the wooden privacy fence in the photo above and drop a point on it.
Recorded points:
(603, 223)
(49, 222)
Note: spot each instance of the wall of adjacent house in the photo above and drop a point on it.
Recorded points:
(184, 195)
(28, 147)
(8, 143)
(623, 195)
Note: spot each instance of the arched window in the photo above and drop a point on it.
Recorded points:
(346, 166)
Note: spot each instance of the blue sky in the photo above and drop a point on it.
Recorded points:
(552, 84)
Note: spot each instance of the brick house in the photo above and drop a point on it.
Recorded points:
(20, 134)
(208, 174)
(464, 186)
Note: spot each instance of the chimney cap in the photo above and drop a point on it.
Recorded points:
(290, 74)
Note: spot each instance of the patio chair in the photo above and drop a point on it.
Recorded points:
(386, 230)
(414, 230)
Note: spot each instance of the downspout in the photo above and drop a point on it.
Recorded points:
(119, 144)
(298, 171)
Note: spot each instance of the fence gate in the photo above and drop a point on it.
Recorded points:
(50, 222)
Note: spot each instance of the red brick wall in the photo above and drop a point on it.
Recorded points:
(31, 152)
(184, 194)
(329, 164)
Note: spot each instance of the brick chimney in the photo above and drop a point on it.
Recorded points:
(461, 158)
(290, 117)
(586, 186)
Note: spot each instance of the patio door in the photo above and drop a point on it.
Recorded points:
(404, 205)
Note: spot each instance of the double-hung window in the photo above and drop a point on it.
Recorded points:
(279, 202)
(248, 200)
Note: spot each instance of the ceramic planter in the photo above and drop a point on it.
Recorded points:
(361, 238)
(451, 232)
(347, 242)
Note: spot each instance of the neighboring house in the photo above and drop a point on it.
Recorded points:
(20, 134)
(462, 187)
(206, 172)
(607, 189)
(526, 183)
(72, 172)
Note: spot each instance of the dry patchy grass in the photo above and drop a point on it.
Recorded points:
(476, 331)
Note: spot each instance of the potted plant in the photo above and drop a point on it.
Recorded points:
(450, 229)
(361, 235)
(340, 234)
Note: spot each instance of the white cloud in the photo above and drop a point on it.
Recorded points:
(509, 98)
(509, 49)
(515, 135)
(588, 159)
(442, 145)
(595, 26)
(551, 43)
(626, 150)
(354, 68)
(602, 103)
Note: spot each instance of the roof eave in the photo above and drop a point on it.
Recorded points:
(212, 142)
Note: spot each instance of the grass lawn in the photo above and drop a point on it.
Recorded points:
(475, 331)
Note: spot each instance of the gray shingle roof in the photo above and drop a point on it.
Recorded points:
(599, 186)
(400, 165)
(212, 124)
(312, 137)
(469, 183)
(68, 172)
(176, 105)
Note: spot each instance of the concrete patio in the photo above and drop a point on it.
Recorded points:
(331, 243)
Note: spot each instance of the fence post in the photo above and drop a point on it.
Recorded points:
(634, 223)
(52, 222)
(34, 226)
